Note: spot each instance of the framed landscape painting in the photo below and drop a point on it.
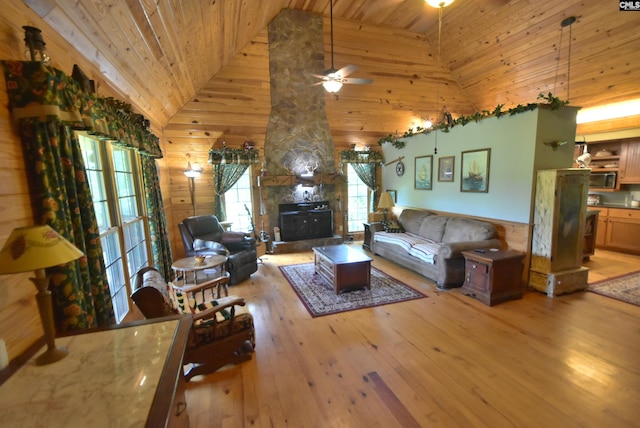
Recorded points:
(445, 168)
(474, 171)
(424, 172)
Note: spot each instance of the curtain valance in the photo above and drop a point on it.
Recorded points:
(358, 156)
(39, 91)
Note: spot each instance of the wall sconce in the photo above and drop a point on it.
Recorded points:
(555, 144)
(35, 44)
(192, 173)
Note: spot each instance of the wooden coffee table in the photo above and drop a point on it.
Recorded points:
(342, 266)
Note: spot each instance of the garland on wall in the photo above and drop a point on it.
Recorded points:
(448, 122)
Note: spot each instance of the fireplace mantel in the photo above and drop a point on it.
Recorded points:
(292, 180)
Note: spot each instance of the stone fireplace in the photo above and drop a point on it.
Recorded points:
(299, 165)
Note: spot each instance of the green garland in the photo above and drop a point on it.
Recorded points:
(445, 126)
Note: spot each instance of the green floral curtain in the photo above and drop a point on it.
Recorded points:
(228, 167)
(364, 164)
(48, 106)
(160, 243)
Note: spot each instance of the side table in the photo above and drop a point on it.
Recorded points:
(366, 243)
(493, 276)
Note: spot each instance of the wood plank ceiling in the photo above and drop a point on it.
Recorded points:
(200, 71)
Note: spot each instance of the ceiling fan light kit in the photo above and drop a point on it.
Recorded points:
(332, 79)
(438, 3)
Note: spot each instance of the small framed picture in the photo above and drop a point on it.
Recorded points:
(424, 172)
(474, 171)
(394, 195)
(446, 168)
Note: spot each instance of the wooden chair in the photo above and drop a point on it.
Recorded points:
(218, 336)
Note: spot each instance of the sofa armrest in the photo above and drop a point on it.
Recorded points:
(454, 249)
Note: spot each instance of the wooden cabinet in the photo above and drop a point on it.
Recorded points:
(623, 229)
(602, 227)
(366, 243)
(493, 276)
(629, 172)
(558, 231)
(298, 225)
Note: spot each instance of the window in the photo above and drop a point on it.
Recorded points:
(358, 201)
(112, 176)
(237, 201)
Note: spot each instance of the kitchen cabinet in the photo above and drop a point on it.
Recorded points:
(590, 233)
(602, 227)
(622, 230)
(629, 172)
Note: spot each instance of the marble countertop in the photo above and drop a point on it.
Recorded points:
(109, 378)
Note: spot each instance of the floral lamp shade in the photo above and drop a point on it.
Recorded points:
(35, 247)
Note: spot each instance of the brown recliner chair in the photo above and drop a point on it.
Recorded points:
(205, 235)
(219, 335)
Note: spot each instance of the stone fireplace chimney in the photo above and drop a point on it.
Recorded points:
(298, 139)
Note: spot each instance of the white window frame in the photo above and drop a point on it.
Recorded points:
(357, 213)
(120, 210)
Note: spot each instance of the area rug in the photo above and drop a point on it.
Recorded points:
(625, 288)
(319, 297)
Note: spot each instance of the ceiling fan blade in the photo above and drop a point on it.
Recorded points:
(357, 81)
(346, 70)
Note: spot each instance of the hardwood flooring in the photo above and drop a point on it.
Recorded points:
(443, 361)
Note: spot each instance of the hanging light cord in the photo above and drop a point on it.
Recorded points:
(565, 22)
(435, 150)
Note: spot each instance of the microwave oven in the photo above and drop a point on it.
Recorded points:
(603, 180)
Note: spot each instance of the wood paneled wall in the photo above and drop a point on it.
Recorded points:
(19, 319)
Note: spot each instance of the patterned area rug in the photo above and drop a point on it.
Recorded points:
(625, 288)
(319, 298)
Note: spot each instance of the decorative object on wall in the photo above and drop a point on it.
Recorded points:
(332, 79)
(446, 168)
(424, 172)
(385, 203)
(474, 171)
(394, 195)
(555, 144)
(192, 172)
(35, 45)
(35, 248)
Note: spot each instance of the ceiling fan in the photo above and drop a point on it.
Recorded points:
(333, 79)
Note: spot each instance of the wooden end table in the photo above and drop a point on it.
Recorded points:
(342, 266)
(493, 276)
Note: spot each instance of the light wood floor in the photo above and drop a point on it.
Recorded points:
(443, 361)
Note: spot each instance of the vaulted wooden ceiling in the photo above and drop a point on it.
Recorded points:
(200, 71)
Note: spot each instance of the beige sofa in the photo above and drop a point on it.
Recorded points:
(432, 244)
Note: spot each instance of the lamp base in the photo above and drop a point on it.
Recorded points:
(51, 355)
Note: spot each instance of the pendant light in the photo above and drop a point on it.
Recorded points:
(440, 5)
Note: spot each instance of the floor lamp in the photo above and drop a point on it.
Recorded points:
(35, 248)
(192, 173)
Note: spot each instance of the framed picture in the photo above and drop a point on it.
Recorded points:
(394, 195)
(424, 172)
(474, 171)
(445, 168)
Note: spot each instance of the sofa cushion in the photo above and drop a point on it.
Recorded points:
(426, 252)
(466, 229)
(404, 240)
(433, 227)
(411, 220)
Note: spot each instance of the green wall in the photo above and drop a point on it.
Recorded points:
(517, 152)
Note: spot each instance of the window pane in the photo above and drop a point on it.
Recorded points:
(358, 201)
(115, 274)
(91, 154)
(236, 199)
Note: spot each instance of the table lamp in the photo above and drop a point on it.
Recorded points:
(35, 248)
(385, 202)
